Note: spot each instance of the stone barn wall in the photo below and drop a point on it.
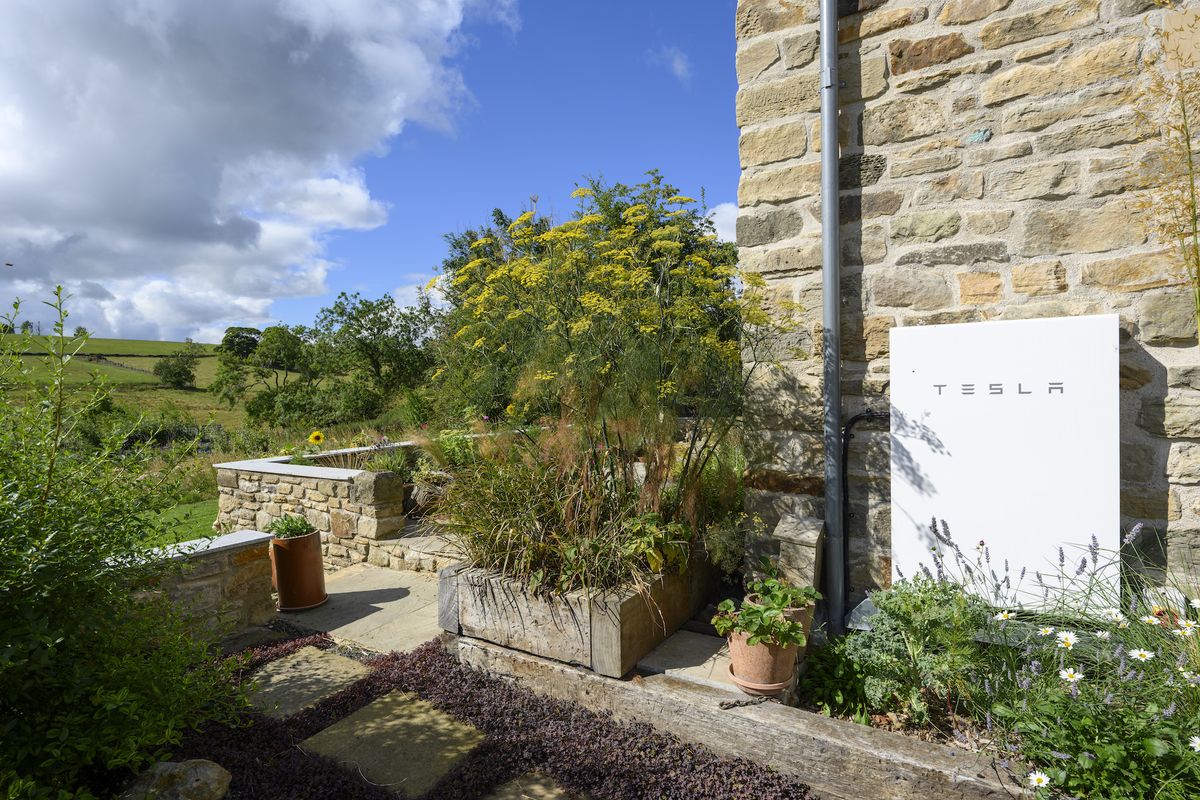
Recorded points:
(985, 175)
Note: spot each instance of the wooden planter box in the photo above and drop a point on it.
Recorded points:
(606, 633)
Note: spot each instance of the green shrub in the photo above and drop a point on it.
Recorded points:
(289, 527)
(765, 621)
(834, 683)
(399, 460)
(178, 370)
(921, 649)
(96, 675)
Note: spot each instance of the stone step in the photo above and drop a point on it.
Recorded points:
(398, 741)
(291, 684)
(692, 657)
(532, 786)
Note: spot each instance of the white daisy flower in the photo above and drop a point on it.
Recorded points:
(1106, 635)
(1195, 743)
(1139, 654)
(1123, 624)
(1045, 631)
(1038, 779)
(1113, 615)
(1002, 615)
(1067, 639)
(1070, 675)
(1195, 603)
(1182, 631)
(1150, 619)
(1187, 623)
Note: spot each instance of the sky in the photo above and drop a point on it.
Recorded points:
(182, 167)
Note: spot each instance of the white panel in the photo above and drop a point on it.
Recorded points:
(1010, 432)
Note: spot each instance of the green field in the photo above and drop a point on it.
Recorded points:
(188, 522)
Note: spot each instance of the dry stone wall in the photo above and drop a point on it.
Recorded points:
(360, 514)
(223, 583)
(988, 162)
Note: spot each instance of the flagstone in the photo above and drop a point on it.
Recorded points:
(290, 684)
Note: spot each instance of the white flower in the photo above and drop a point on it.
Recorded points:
(1037, 779)
(1070, 675)
(1195, 603)
(1123, 624)
(1113, 615)
(1189, 624)
(1002, 615)
(1182, 631)
(1195, 743)
(1141, 655)
(1067, 639)
(1103, 635)
(1150, 619)
(1045, 631)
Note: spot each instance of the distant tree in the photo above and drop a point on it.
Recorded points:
(81, 332)
(178, 370)
(379, 341)
(283, 355)
(239, 341)
(27, 327)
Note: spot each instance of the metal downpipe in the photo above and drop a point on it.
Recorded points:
(835, 561)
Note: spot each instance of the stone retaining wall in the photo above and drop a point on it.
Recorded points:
(987, 172)
(360, 514)
(225, 582)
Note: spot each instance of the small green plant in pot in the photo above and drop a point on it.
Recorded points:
(297, 568)
(764, 642)
(797, 602)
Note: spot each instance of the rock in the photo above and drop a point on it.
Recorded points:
(860, 26)
(1038, 115)
(986, 223)
(754, 59)
(1065, 16)
(923, 164)
(957, 254)
(1185, 376)
(919, 83)
(868, 205)
(876, 336)
(948, 188)
(1167, 318)
(1055, 231)
(962, 12)
(756, 17)
(768, 100)
(378, 557)
(1134, 273)
(1138, 463)
(773, 226)
(1103, 133)
(799, 51)
(926, 226)
(1175, 416)
(977, 288)
(921, 290)
(846, 121)
(784, 261)
(988, 155)
(1183, 463)
(1134, 376)
(780, 185)
(902, 120)
(860, 169)
(196, 779)
(1116, 58)
(1043, 49)
(868, 247)
(1041, 278)
(908, 56)
(1047, 181)
(776, 143)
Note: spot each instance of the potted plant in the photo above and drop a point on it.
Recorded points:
(797, 602)
(764, 642)
(297, 569)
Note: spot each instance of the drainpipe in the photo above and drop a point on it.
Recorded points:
(835, 560)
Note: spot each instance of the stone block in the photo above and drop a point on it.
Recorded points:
(957, 254)
(1183, 463)
(1175, 416)
(227, 478)
(1109, 60)
(967, 185)
(1040, 278)
(380, 527)
(931, 80)
(785, 97)
(977, 288)
(924, 163)
(756, 17)
(378, 557)
(1034, 116)
(1125, 129)
(771, 226)
(1167, 318)
(800, 50)
(926, 226)
(990, 155)
(1055, 231)
(755, 58)
(1044, 21)
(1135, 273)
(343, 524)
(779, 185)
(1047, 181)
(964, 12)
(776, 143)
(907, 56)
(921, 290)
(882, 20)
(902, 120)
(782, 261)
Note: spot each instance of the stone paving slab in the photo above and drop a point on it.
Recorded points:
(398, 741)
(692, 657)
(377, 608)
(295, 682)
(532, 786)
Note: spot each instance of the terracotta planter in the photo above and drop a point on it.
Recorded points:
(298, 572)
(760, 668)
(802, 615)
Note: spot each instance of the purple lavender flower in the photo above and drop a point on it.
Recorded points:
(1133, 534)
(1169, 711)
(1094, 549)
(1082, 567)
(1108, 698)
(1060, 755)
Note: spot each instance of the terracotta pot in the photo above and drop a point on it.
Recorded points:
(760, 668)
(298, 572)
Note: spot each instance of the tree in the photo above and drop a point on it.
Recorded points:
(379, 341)
(81, 332)
(239, 341)
(27, 327)
(178, 370)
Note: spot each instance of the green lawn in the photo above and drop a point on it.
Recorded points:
(187, 522)
(127, 347)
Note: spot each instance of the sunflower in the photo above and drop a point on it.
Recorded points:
(317, 438)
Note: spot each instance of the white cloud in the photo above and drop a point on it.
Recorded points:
(178, 165)
(724, 217)
(674, 60)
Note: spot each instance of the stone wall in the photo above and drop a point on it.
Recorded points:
(360, 514)
(986, 174)
(224, 582)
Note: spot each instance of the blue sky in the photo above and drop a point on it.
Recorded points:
(182, 166)
(581, 89)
